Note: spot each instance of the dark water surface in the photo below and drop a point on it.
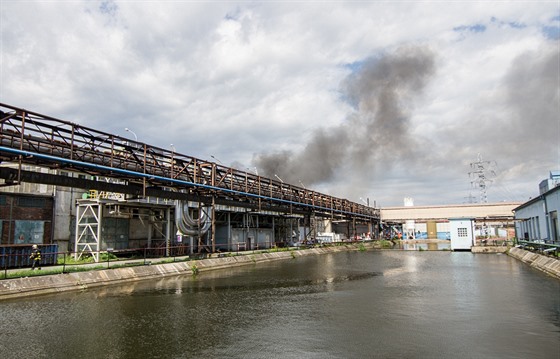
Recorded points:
(384, 304)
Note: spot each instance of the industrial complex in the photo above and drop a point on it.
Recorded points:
(85, 191)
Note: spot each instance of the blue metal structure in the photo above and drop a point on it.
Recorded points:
(18, 256)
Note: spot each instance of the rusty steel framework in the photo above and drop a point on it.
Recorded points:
(30, 138)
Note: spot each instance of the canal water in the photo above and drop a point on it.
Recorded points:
(375, 304)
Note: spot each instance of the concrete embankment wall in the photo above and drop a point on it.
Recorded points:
(489, 249)
(543, 263)
(22, 287)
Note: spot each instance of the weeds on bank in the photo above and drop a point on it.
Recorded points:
(69, 260)
(385, 243)
(194, 269)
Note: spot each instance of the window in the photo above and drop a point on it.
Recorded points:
(29, 232)
(462, 232)
(34, 202)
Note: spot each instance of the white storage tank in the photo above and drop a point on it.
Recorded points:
(409, 226)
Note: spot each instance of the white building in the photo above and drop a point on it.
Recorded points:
(492, 221)
(462, 233)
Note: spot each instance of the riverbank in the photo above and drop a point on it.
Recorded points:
(76, 281)
(550, 266)
(48, 284)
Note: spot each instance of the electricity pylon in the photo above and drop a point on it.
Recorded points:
(479, 178)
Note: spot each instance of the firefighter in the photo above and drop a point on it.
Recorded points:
(35, 257)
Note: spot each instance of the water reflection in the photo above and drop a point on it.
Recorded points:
(386, 304)
(424, 246)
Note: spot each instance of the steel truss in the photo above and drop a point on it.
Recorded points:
(88, 229)
(32, 138)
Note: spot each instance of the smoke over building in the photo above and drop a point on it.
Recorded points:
(375, 134)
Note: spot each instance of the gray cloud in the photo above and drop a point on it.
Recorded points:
(515, 126)
(520, 112)
(533, 96)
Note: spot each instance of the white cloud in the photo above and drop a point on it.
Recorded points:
(239, 79)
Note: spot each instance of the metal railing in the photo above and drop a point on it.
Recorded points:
(63, 262)
(540, 246)
(31, 138)
(494, 241)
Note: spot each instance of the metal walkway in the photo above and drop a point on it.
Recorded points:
(29, 138)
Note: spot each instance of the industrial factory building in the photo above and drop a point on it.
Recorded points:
(88, 191)
(106, 193)
(537, 219)
(491, 220)
(35, 213)
(39, 214)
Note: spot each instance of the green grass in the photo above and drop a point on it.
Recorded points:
(107, 257)
(29, 273)
(126, 265)
(69, 259)
(163, 261)
(42, 272)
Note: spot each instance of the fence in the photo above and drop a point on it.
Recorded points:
(16, 256)
(16, 263)
(540, 246)
(493, 241)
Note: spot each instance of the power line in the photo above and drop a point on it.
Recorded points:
(501, 186)
(470, 198)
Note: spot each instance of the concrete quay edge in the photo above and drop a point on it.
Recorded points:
(489, 249)
(78, 281)
(548, 265)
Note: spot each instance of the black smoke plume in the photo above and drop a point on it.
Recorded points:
(376, 133)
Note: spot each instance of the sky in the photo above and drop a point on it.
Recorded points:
(372, 101)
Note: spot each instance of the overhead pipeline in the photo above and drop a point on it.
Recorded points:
(186, 224)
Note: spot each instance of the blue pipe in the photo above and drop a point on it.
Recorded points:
(172, 180)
